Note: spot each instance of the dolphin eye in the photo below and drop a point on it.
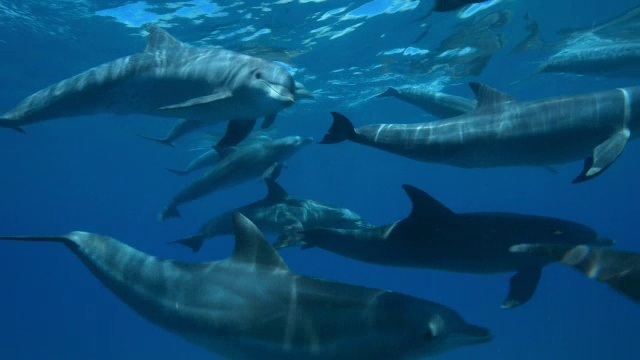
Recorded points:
(258, 75)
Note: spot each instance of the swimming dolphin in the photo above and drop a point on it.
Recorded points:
(236, 166)
(617, 268)
(251, 306)
(435, 237)
(278, 213)
(438, 104)
(505, 132)
(238, 128)
(168, 79)
(593, 56)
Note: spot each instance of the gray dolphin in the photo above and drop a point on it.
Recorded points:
(168, 79)
(435, 237)
(187, 126)
(438, 104)
(251, 306)
(505, 132)
(617, 268)
(237, 165)
(278, 213)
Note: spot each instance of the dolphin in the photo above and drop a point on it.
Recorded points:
(251, 306)
(187, 126)
(452, 5)
(436, 103)
(593, 56)
(435, 237)
(236, 166)
(278, 213)
(504, 132)
(617, 268)
(168, 79)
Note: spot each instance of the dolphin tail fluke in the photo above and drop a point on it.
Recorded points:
(169, 212)
(341, 129)
(389, 92)
(521, 287)
(163, 141)
(194, 242)
(178, 172)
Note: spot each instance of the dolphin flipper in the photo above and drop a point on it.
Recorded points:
(194, 242)
(237, 130)
(603, 156)
(521, 287)
(199, 101)
(268, 120)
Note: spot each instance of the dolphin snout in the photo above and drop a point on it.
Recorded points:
(282, 94)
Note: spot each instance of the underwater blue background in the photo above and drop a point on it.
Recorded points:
(95, 174)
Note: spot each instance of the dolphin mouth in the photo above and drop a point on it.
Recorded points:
(281, 93)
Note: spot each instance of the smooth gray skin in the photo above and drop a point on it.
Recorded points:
(237, 166)
(280, 214)
(168, 79)
(505, 132)
(250, 306)
(435, 237)
(435, 103)
(617, 59)
(617, 268)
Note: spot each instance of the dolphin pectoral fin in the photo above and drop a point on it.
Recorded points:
(269, 120)
(603, 156)
(163, 141)
(199, 101)
(272, 173)
(178, 172)
(237, 130)
(194, 242)
(521, 287)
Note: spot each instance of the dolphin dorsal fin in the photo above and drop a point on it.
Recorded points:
(159, 39)
(275, 192)
(252, 248)
(488, 96)
(425, 206)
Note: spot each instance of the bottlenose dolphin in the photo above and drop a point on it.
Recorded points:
(436, 103)
(505, 132)
(187, 126)
(251, 306)
(237, 165)
(617, 268)
(435, 237)
(278, 213)
(168, 79)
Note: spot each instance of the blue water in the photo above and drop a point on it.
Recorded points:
(95, 174)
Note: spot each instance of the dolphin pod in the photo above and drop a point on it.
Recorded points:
(504, 132)
(433, 236)
(168, 79)
(251, 306)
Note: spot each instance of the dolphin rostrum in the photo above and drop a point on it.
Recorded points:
(435, 103)
(505, 132)
(168, 79)
(237, 165)
(278, 213)
(251, 306)
(433, 236)
(617, 268)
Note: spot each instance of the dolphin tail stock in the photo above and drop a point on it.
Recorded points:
(178, 172)
(163, 141)
(341, 129)
(7, 123)
(194, 242)
(169, 212)
(388, 93)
